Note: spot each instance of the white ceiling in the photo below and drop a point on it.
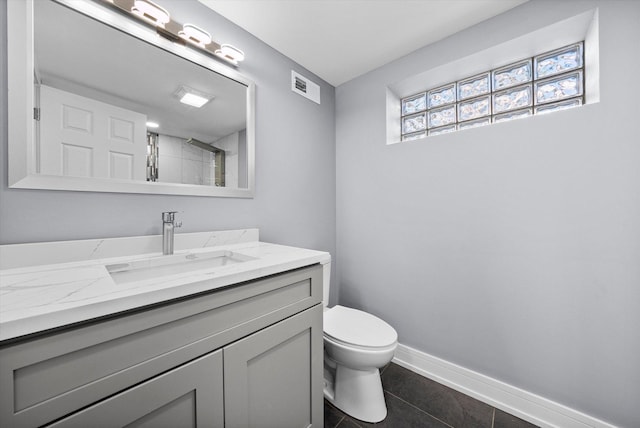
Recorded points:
(342, 39)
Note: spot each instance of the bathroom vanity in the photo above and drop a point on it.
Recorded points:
(236, 345)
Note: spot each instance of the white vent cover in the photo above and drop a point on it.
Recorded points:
(305, 87)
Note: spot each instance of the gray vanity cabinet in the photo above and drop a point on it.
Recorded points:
(247, 355)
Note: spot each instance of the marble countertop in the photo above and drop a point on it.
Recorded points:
(42, 297)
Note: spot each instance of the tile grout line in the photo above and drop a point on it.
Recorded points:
(352, 420)
(419, 409)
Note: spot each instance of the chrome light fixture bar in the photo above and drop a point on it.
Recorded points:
(187, 34)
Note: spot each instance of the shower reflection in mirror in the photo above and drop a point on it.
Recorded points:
(190, 161)
(152, 156)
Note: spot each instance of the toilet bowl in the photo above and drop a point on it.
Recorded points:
(356, 345)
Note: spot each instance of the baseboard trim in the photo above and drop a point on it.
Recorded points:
(523, 404)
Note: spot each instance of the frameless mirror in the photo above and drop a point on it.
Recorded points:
(95, 105)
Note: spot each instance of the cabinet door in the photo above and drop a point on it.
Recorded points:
(273, 378)
(188, 396)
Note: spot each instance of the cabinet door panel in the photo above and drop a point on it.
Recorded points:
(188, 396)
(273, 378)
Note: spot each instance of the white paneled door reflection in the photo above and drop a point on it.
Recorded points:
(82, 137)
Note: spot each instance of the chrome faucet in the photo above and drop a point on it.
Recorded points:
(168, 225)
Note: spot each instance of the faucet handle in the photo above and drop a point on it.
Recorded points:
(168, 216)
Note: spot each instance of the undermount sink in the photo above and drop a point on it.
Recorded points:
(160, 266)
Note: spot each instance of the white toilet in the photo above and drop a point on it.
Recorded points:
(356, 345)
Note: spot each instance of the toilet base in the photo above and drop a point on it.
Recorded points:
(358, 393)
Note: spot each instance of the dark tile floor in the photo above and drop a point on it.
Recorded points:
(414, 401)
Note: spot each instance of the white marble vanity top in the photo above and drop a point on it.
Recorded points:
(46, 296)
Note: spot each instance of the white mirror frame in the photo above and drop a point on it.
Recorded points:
(21, 125)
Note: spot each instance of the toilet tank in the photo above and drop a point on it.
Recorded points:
(326, 282)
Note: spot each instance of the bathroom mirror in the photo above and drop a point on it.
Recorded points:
(86, 83)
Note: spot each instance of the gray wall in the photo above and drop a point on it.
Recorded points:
(514, 249)
(295, 173)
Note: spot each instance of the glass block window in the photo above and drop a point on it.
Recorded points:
(414, 123)
(474, 86)
(442, 96)
(548, 82)
(511, 75)
(414, 104)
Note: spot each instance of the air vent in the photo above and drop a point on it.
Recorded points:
(301, 85)
(305, 87)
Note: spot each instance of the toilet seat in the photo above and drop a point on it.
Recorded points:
(355, 328)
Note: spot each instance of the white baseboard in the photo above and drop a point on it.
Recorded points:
(520, 403)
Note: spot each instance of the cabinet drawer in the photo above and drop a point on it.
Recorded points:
(46, 378)
(182, 397)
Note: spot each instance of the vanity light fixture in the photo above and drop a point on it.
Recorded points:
(195, 35)
(192, 97)
(230, 53)
(152, 124)
(187, 34)
(151, 12)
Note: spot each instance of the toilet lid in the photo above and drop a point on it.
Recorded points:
(358, 328)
